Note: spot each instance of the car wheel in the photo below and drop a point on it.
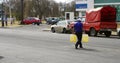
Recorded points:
(64, 30)
(38, 24)
(119, 34)
(53, 30)
(92, 32)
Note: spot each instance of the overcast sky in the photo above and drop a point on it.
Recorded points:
(63, 1)
(60, 0)
(0, 1)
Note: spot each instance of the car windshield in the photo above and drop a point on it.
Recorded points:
(53, 18)
(61, 23)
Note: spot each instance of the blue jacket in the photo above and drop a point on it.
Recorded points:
(78, 27)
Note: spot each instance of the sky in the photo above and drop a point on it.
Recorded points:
(60, 1)
(63, 1)
(0, 1)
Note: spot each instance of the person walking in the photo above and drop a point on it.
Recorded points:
(5, 20)
(78, 29)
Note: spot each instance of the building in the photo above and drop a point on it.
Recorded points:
(83, 5)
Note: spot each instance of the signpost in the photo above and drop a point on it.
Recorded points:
(2, 13)
(22, 11)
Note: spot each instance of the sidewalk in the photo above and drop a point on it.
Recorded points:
(16, 24)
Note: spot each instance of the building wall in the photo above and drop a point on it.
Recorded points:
(114, 3)
(83, 5)
(106, 1)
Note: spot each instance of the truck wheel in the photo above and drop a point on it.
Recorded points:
(107, 33)
(53, 30)
(92, 32)
(119, 33)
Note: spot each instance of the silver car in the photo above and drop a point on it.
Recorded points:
(61, 26)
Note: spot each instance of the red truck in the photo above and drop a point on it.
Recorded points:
(100, 20)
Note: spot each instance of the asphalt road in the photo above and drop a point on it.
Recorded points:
(29, 44)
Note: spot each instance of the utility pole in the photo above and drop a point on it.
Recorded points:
(75, 12)
(2, 16)
(22, 8)
(8, 3)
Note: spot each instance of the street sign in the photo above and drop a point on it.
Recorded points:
(83, 5)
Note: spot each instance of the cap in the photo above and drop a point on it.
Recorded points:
(79, 19)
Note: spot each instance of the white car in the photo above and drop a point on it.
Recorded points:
(61, 26)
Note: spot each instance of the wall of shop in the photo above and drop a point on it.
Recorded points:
(106, 1)
(83, 5)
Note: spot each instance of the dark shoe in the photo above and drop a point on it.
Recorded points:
(81, 47)
(76, 47)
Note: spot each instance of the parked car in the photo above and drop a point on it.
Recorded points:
(52, 20)
(62, 26)
(32, 20)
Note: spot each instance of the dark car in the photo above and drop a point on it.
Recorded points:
(32, 20)
(52, 20)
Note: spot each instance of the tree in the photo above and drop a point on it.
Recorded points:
(38, 8)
